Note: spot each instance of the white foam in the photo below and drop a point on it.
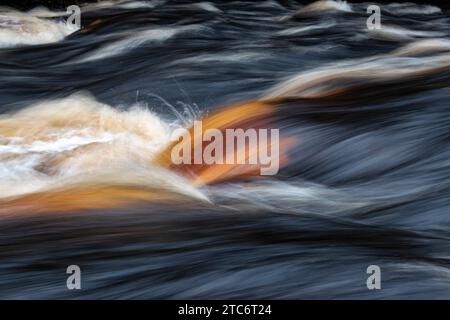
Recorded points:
(424, 47)
(138, 4)
(121, 4)
(409, 8)
(207, 6)
(306, 29)
(289, 198)
(79, 141)
(326, 5)
(328, 79)
(396, 33)
(18, 29)
(43, 12)
(230, 57)
(134, 40)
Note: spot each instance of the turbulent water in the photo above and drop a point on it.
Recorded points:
(85, 125)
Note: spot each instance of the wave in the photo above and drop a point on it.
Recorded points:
(76, 145)
(120, 4)
(223, 57)
(338, 79)
(207, 6)
(77, 153)
(18, 29)
(396, 33)
(423, 47)
(41, 26)
(80, 147)
(325, 5)
(134, 40)
(43, 12)
(287, 197)
(409, 8)
(306, 29)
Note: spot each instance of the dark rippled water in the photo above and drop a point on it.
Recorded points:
(367, 183)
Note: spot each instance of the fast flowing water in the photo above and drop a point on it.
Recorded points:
(364, 120)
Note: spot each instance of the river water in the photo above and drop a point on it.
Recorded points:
(364, 120)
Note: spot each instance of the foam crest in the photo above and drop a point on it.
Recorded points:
(19, 29)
